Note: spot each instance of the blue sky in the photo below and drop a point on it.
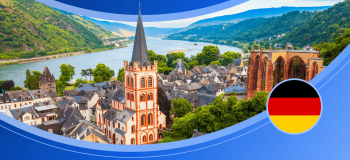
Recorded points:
(252, 4)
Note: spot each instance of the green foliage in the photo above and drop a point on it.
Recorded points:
(330, 50)
(43, 30)
(218, 115)
(32, 81)
(208, 54)
(229, 57)
(59, 87)
(121, 74)
(102, 71)
(16, 88)
(215, 63)
(78, 81)
(98, 79)
(67, 72)
(112, 72)
(181, 107)
(7, 85)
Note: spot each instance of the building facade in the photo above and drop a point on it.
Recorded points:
(47, 81)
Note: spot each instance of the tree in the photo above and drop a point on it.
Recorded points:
(16, 88)
(112, 72)
(103, 72)
(153, 56)
(98, 79)
(32, 81)
(163, 103)
(78, 81)
(59, 87)
(121, 74)
(181, 107)
(67, 72)
(215, 62)
(89, 71)
(84, 73)
(7, 85)
(245, 50)
(229, 57)
(173, 58)
(1, 81)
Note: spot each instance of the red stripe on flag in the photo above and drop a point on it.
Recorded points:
(294, 106)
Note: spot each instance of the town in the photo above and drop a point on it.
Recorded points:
(142, 108)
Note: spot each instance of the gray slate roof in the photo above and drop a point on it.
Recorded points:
(180, 64)
(111, 114)
(119, 95)
(120, 131)
(125, 115)
(140, 53)
(71, 117)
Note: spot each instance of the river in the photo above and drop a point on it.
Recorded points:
(112, 58)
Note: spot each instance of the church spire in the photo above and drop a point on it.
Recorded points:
(140, 53)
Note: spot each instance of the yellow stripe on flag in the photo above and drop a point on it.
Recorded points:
(294, 123)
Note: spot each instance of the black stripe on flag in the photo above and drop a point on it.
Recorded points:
(294, 88)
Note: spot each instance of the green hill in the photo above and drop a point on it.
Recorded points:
(325, 26)
(29, 28)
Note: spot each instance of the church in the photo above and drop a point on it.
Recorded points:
(132, 116)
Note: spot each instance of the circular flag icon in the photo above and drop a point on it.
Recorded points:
(294, 106)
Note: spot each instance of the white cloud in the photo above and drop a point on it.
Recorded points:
(252, 4)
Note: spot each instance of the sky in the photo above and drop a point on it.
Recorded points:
(252, 4)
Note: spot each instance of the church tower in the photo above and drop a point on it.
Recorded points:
(141, 86)
(47, 81)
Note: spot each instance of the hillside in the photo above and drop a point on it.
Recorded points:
(126, 30)
(246, 30)
(255, 13)
(325, 26)
(96, 29)
(29, 28)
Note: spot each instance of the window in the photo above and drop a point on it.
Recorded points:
(132, 141)
(128, 82)
(160, 126)
(113, 125)
(127, 96)
(133, 129)
(121, 142)
(122, 128)
(142, 97)
(143, 120)
(34, 122)
(109, 134)
(150, 96)
(132, 118)
(132, 82)
(144, 139)
(142, 82)
(150, 119)
(150, 137)
(149, 81)
(132, 96)
(118, 125)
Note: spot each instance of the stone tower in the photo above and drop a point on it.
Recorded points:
(47, 81)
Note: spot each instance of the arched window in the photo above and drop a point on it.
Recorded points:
(132, 82)
(122, 128)
(150, 96)
(150, 119)
(160, 126)
(142, 82)
(114, 125)
(132, 96)
(109, 134)
(118, 125)
(133, 129)
(150, 137)
(127, 96)
(128, 81)
(132, 141)
(143, 120)
(142, 97)
(121, 142)
(149, 81)
(144, 139)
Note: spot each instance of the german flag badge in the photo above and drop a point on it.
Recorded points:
(294, 106)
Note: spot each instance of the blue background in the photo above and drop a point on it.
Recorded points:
(255, 138)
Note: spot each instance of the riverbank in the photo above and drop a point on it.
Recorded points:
(44, 58)
(176, 51)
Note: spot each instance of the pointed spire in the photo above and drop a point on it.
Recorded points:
(140, 53)
(180, 64)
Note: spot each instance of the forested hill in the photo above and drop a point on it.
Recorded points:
(325, 26)
(255, 13)
(247, 30)
(96, 29)
(28, 28)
